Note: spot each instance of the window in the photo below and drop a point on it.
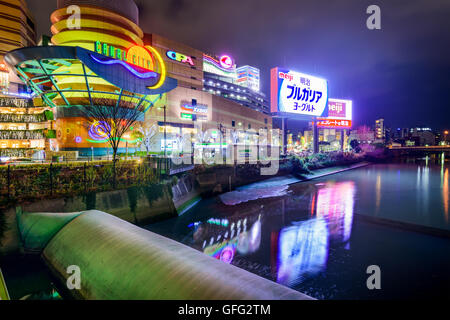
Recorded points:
(233, 123)
(194, 102)
(265, 120)
(249, 126)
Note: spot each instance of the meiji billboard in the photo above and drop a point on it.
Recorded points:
(339, 114)
(341, 109)
(298, 93)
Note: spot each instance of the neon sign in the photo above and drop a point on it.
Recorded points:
(187, 116)
(223, 66)
(339, 114)
(334, 123)
(179, 57)
(199, 108)
(98, 131)
(138, 74)
(135, 55)
(226, 62)
(146, 58)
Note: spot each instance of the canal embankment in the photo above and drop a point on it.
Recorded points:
(278, 186)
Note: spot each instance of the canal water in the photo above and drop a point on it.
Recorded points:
(313, 236)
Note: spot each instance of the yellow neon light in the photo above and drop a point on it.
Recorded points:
(140, 57)
(72, 38)
(163, 67)
(60, 14)
(101, 25)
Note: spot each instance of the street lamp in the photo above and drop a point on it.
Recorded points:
(445, 136)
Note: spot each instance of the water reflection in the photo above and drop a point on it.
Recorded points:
(445, 194)
(307, 239)
(221, 238)
(303, 247)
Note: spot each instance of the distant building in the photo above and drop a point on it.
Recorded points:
(248, 77)
(364, 135)
(380, 131)
(423, 136)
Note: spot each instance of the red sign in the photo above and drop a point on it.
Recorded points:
(336, 109)
(334, 123)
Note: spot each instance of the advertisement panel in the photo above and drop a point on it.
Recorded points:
(339, 114)
(298, 93)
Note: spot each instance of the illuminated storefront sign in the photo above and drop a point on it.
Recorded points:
(135, 55)
(146, 58)
(226, 62)
(334, 123)
(180, 57)
(199, 108)
(187, 116)
(223, 66)
(298, 93)
(191, 112)
(339, 114)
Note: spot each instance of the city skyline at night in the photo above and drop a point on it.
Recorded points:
(399, 73)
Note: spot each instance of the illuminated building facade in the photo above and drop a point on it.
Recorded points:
(222, 78)
(107, 59)
(183, 63)
(25, 126)
(248, 77)
(380, 132)
(103, 62)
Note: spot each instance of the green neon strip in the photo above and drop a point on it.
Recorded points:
(121, 139)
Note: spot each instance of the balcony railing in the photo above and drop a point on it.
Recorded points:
(15, 102)
(21, 134)
(23, 118)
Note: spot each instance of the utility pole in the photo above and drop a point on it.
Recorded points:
(316, 136)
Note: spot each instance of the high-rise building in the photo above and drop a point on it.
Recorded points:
(248, 77)
(24, 125)
(17, 30)
(380, 132)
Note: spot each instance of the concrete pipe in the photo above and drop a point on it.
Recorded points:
(120, 261)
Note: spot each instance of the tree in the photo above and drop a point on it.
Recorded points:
(148, 132)
(355, 145)
(113, 118)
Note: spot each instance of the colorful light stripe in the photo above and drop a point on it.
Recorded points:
(138, 74)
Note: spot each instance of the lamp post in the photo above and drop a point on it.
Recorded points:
(445, 136)
(165, 134)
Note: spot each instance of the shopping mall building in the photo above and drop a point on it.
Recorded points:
(105, 58)
(24, 126)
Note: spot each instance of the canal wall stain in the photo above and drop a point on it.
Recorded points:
(138, 205)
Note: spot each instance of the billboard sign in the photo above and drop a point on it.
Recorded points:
(339, 114)
(298, 93)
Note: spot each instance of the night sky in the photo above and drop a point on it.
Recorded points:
(400, 72)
